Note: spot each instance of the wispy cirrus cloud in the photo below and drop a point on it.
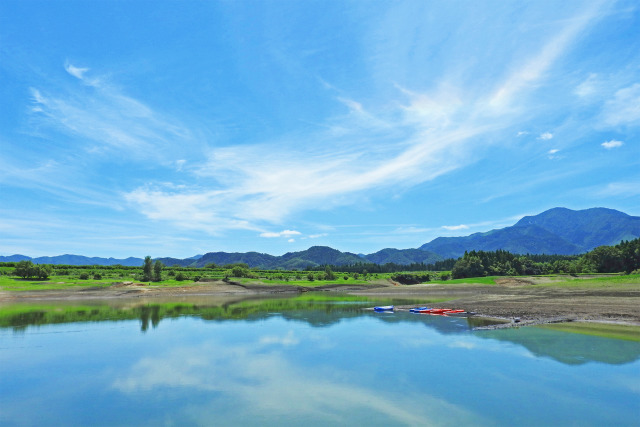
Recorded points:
(624, 108)
(526, 77)
(623, 189)
(102, 119)
(414, 138)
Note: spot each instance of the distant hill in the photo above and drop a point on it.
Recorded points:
(556, 231)
(403, 256)
(170, 262)
(74, 260)
(14, 258)
(252, 259)
(314, 256)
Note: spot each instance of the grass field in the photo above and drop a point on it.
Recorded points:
(69, 277)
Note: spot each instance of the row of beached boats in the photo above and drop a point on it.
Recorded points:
(427, 310)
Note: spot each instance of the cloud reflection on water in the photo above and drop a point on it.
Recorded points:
(263, 381)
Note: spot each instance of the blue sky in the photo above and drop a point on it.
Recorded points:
(170, 128)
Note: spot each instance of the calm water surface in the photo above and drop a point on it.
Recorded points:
(302, 360)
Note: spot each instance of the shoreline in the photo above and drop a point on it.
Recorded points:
(518, 305)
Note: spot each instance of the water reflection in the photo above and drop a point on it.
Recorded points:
(317, 311)
(301, 360)
(269, 384)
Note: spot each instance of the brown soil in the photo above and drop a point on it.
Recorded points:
(515, 301)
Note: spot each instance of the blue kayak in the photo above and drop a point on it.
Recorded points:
(384, 308)
(417, 309)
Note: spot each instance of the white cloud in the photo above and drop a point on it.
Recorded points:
(351, 104)
(624, 108)
(283, 233)
(106, 121)
(315, 236)
(76, 72)
(622, 189)
(412, 230)
(587, 87)
(546, 136)
(526, 77)
(288, 340)
(264, 383)
(291, 240)
(455, 227)
(522, 133)
(551, 154)
(612, 144)
(403, 143)
(190, 210)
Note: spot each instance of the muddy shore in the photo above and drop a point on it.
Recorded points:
(517, 300)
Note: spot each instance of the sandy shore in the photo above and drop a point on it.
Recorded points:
(509, 299)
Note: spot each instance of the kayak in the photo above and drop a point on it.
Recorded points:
(460, 313)
(443, 312)
(418, 309)
(383, 308)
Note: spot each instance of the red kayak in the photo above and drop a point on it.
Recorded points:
(435, 310)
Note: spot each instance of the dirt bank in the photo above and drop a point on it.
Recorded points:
(530, 304)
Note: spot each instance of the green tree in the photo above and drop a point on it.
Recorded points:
(24, 269)
(147, 269)
(239, 271)
(328, 273)
(157, 270)
(468, 266)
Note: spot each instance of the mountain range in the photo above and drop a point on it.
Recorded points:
(556, 231)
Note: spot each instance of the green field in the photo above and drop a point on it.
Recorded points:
(69, 277)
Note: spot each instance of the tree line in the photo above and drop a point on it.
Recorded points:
(623, 257)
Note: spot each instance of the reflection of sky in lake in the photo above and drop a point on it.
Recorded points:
(274, 371)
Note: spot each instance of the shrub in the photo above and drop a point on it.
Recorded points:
(84, 276)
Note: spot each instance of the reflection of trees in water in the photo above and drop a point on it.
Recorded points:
(567, 348)
(149, 313)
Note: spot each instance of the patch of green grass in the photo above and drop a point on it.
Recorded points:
(618, 281)
(605, 330)
(53, 283)
(489, 280)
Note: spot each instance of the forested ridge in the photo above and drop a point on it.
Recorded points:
(623, 257)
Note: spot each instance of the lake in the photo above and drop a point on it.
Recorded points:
(312, 359)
